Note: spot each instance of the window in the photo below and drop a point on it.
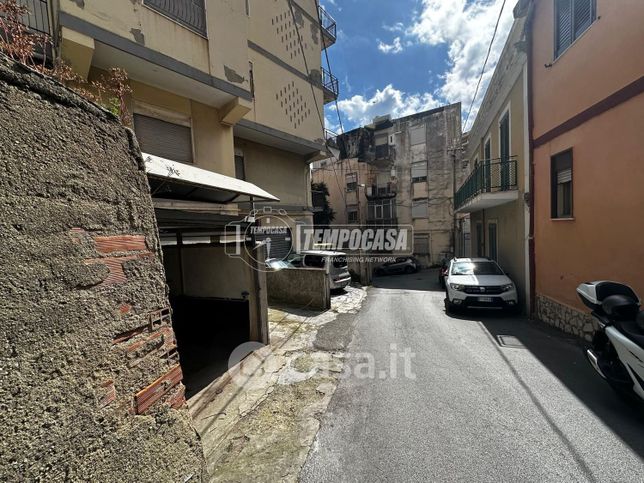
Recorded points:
(251, 78)
(352, 181)
(352, 215)
(381, 210)
(419, 172)
(476, 268)
(417, 135)
(420, 209)
(572, 18)
(504, 150)
(164, 139)
(561, 181)
(421, 245)
(240, 170)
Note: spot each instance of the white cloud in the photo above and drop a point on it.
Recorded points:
(393, 48)
(466, 28)
(397, 27)
(360, 110)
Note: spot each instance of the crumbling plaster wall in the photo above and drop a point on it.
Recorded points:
(89, 374)
(441, 150)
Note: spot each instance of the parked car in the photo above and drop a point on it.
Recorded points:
(278, 264)
(479, 282)
(334, 262)
(399, 265)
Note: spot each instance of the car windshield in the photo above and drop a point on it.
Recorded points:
(476, 268)
(339, 262)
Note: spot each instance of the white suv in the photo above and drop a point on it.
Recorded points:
(479, 282)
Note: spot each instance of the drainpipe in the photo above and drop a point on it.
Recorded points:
(531, 246)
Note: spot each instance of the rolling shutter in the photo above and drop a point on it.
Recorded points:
(280, 244)
(583, 15)
(563, 19)
(419, 170)
(164, 139)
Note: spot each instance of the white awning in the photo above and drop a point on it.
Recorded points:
(182, 181)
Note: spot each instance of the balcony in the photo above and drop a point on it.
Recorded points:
(330, 86)
(328, 26)
(492, 183)
(387, 190)
(189, 13)
(382, 222)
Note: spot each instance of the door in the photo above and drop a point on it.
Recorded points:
(487, 172)
(504, 129)
(480, 242)
(492, 241)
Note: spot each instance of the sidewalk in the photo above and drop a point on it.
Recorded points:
(257, 423)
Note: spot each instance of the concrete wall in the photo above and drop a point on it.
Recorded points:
(90, 375)
(603, 239)
(299, 287)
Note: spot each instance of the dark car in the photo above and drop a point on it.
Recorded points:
(442, 271)
(399, 265)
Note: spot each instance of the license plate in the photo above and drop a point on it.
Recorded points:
(485, 299)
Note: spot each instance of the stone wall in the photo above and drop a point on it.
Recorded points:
(90, 384)
(299, 287)
(565, 318)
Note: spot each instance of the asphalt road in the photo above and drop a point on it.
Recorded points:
(488, 398)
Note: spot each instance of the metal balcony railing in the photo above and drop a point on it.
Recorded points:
(387, 190)
(490, 176)
(330, 86)
(329, 28)
(382, 221)
(189, 13)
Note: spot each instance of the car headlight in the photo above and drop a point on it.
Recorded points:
(456, 286)
(508, 287)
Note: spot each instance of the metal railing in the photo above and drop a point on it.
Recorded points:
(330, 85)
(490, 176)
(189, 13)
(382, 221)
(329, 27)
(387, 190)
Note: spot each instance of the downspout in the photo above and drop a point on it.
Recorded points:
(531, 245)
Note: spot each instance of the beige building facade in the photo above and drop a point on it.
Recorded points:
(492, 199)
(226, 101)
(399, 172)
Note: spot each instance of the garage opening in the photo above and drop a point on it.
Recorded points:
(211, 304)
(218, 301)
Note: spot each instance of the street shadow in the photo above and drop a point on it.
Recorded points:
(563, 356)
(425, 280)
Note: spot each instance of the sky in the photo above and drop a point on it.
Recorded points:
(405, 56)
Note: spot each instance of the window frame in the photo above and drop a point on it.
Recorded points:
(419, 179)
(554, 186)
(349, 184)
(574, 36)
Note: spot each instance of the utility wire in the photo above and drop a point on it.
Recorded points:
(478, 84)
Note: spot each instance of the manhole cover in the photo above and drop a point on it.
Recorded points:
(509, 341)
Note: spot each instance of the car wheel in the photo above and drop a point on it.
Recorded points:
(449, 306)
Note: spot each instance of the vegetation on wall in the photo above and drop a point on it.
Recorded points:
(31, 49)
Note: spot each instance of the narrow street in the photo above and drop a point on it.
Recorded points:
(489, 398)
